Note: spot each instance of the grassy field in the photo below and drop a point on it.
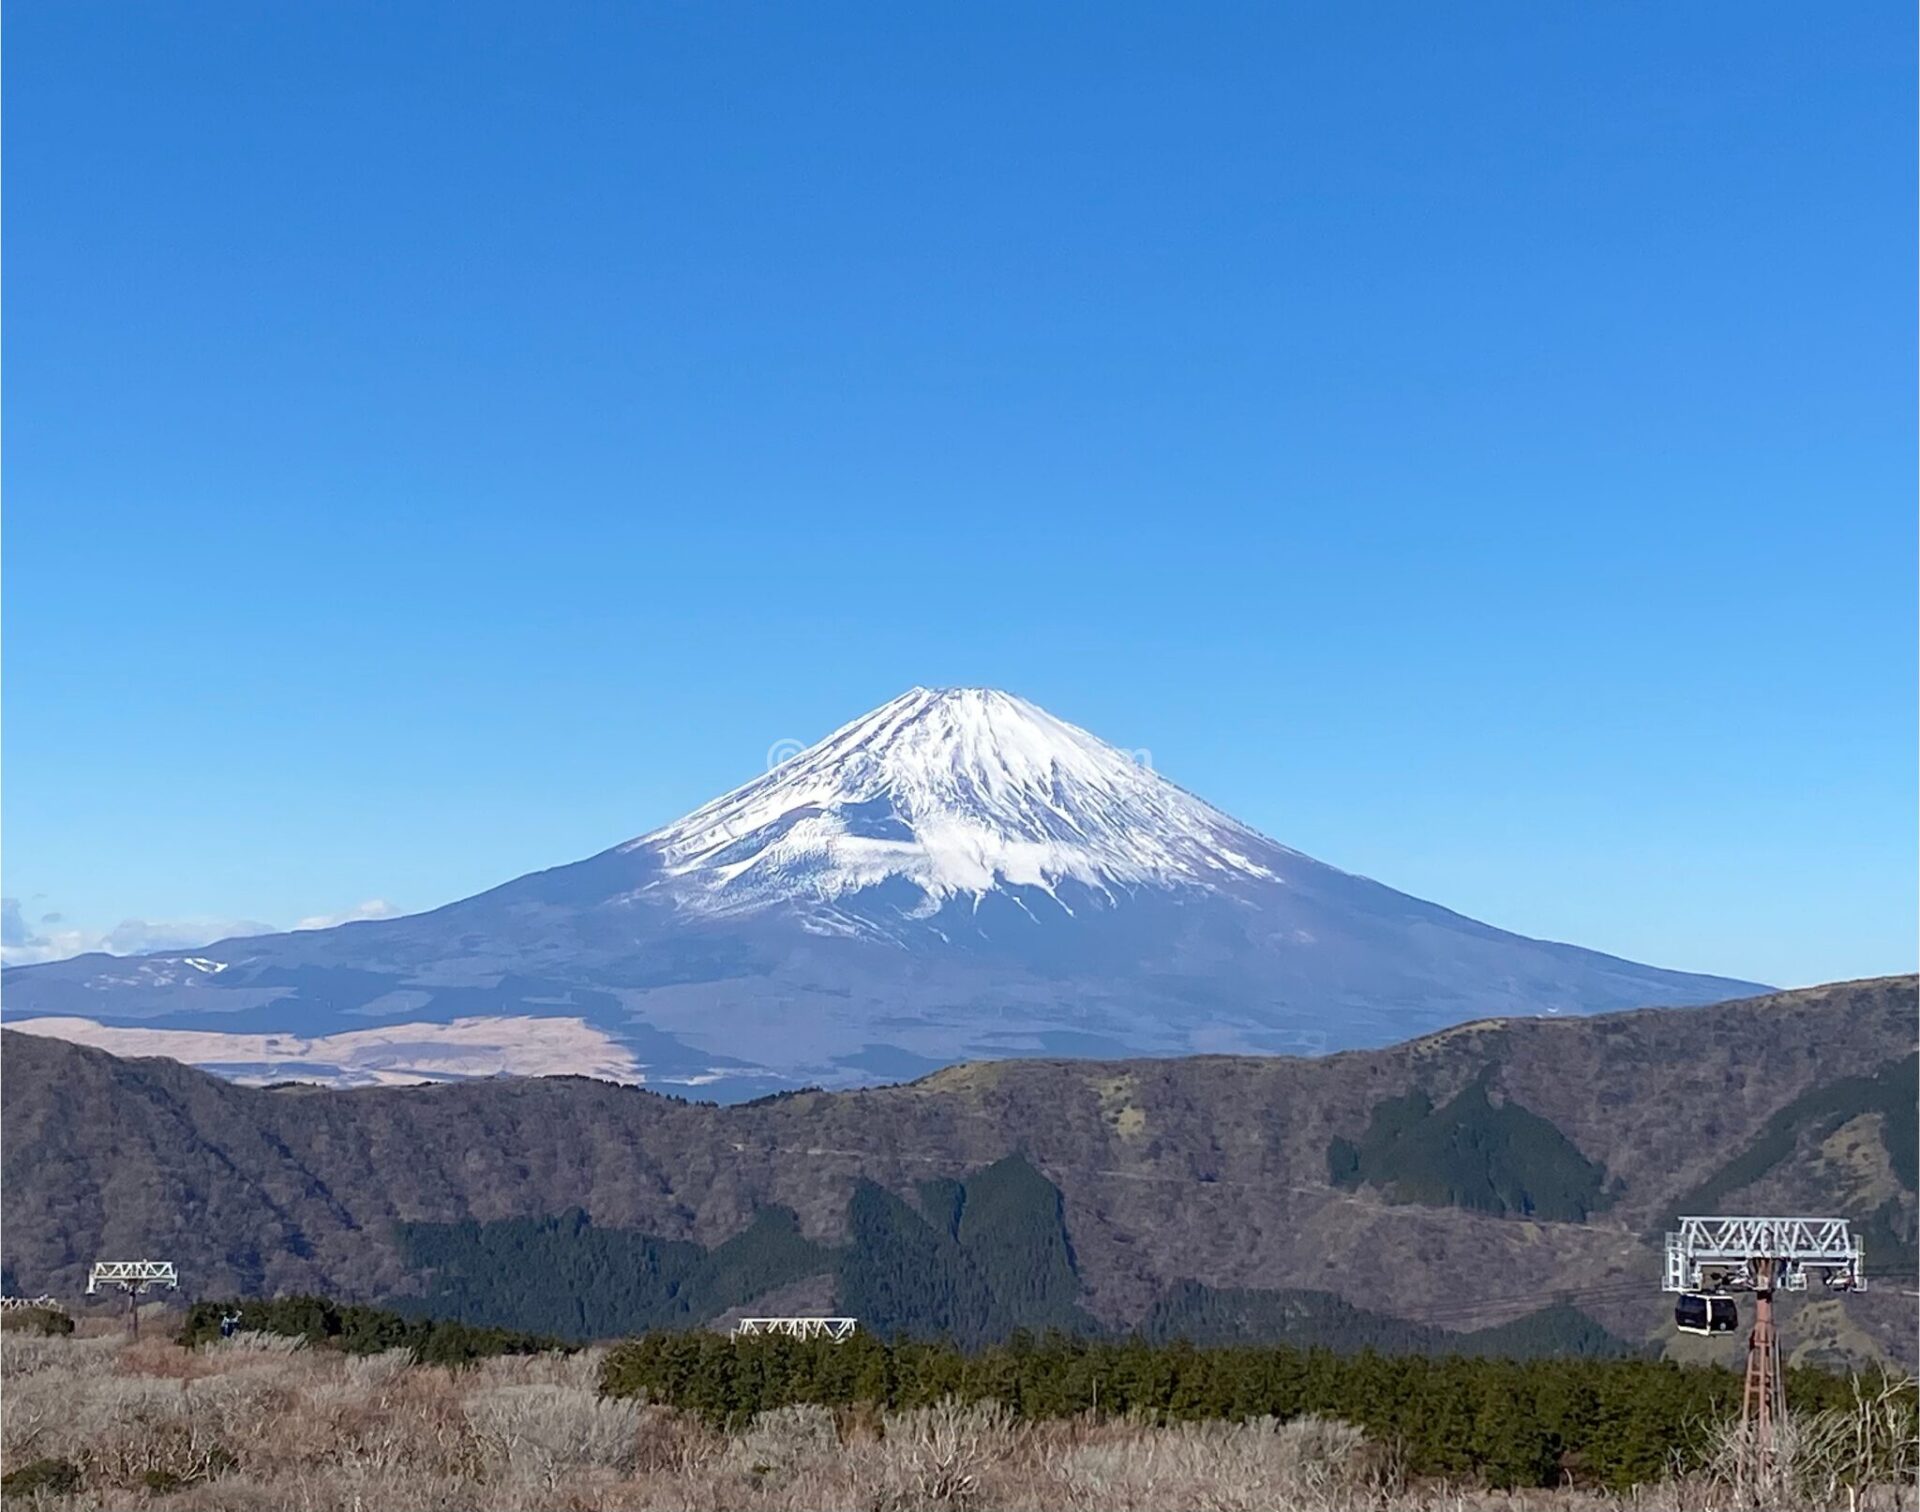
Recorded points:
(266, 1422)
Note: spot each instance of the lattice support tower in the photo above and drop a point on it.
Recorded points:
(1763, 1255)
(43, 1303)
(132, 1277)
(837, 1329)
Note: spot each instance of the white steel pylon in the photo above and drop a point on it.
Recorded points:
(42, 1303)
(837, 1329)
(133, 1277)
(1704, 1246)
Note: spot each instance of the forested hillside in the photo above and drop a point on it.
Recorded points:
(1458, 1183)
(973, 1262)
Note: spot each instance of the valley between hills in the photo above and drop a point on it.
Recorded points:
(1500, 1186)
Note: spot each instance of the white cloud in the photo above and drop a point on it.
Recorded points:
(22, 944)
(28, 942)
(144, 936)
(373, 908)
(13, 928)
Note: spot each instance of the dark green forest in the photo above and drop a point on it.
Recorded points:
(562, 1276)
(1513, 1423)
(1322, 1320)
(971, 1261)
(976, 1260)
(1013, 1226)
(1470, 1154)
(355, 1329)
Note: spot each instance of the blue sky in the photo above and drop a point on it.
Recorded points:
(1474, 444)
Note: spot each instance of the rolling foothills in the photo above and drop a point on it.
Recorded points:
(1497, 1189)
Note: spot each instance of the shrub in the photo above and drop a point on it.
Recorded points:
(941, 1452)
(43, 1477)
(1823, 1459)
(546, 1430)
(256, 1341)
(369, 1373)
(780, 1444)
(47, 1321)
(1309, 1461)
(28, 1354)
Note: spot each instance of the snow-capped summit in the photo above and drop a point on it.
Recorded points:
(956, 875)
(955, 792)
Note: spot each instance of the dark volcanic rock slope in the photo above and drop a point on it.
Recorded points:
(1495, 1164)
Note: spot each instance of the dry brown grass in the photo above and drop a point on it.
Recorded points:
(258, 1423)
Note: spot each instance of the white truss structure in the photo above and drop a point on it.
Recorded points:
(43, 1303)
(837, 1329)
(1731, 1246)
(131, 1275)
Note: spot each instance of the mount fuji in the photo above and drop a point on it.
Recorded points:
(956, 875)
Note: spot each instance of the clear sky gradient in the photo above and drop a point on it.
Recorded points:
(1474, 444)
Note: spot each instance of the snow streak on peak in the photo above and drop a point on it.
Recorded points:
(956, 791)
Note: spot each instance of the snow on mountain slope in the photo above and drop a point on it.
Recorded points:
(957, 793)
(956, 875)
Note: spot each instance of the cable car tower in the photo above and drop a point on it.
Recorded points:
(132, 1277)
(837, 1329)
(1708, 1259)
